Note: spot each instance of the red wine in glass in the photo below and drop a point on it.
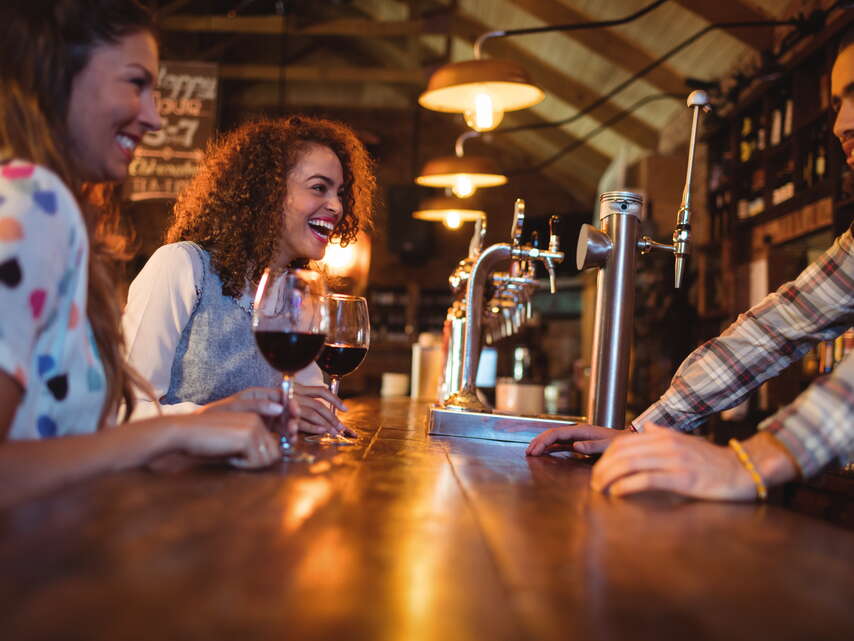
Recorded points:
(340, 360)
(289, 351)
(290, 319)
(347, 343)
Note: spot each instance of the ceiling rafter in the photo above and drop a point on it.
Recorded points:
(758, 38)
(278, 25)
(322, 73)
(558, 83)
(580, 179)
(606, 43)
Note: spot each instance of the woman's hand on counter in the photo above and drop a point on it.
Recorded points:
(266, 401)
(311, 403)
(661, 458)
(586, 439)
(316, 417)
(240, 436)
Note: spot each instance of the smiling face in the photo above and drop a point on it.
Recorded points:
(842, 90)
(312, 206)
(112, 106)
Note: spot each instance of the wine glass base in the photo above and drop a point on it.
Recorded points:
(298, 457)
(292, 455)
(328, 439)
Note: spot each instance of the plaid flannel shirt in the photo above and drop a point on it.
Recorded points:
(817, 306)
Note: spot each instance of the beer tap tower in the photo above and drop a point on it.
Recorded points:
(612, 249)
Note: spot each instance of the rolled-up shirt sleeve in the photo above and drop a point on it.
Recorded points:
(819, 425)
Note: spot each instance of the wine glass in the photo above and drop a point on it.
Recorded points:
(346, 345)
(290, 319)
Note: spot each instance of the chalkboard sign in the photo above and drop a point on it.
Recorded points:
(166, 160)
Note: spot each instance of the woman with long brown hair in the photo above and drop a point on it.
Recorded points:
(76, 97)
(269, 193)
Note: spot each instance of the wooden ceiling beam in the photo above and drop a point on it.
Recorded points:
(310, 73)
(606, 43)
(277, 25)
(555, 81)
(758, 38)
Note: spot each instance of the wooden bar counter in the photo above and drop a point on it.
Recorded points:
(405, 537)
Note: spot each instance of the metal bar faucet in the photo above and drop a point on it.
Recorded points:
(613, 250)
(466, 398)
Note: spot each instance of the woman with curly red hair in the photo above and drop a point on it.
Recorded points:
(270, 193)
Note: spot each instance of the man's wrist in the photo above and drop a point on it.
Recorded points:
(772, 461)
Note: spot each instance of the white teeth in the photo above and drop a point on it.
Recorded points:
(126, 142)
(325, 224)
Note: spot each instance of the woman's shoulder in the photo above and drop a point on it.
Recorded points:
(183, 251)
(183, 264)
(25, 186)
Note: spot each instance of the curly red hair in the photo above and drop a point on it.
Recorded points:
(232, 207)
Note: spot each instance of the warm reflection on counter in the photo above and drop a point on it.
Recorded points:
(408, 537)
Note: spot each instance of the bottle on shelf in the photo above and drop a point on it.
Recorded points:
(784, 183)
(756, 203)
(788, 116)
(776, 135)
(747, 144)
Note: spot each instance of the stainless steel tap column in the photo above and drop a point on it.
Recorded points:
(466, 398)
(612, 248)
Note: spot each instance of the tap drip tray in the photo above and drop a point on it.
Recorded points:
(494, 426)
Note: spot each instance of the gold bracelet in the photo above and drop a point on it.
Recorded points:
(761, 490)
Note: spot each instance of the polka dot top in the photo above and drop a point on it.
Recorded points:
(46, 341)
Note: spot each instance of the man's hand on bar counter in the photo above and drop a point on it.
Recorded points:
(662, 458)
(586, 439)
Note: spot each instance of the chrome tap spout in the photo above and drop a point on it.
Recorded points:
(466, 397)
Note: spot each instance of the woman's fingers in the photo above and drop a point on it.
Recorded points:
(260, 449)
(319, 391)
(265, 393)
(257, 405)
(317, 418)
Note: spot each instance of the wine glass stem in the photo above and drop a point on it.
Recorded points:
(334, 384)
(287, 396)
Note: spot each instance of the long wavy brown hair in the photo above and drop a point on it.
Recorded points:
(46, 43)
(233, 206)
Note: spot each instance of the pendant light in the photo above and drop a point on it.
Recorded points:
(481, 90)
(452, 212)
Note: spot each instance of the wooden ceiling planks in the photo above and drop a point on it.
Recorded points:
(758, 38)
(605, 42)
(558, 83)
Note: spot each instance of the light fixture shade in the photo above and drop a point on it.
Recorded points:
(437, 209)
(452, 88)
(482, 171)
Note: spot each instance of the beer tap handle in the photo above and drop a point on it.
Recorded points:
(476, 244)
(554, 240)
(698, 100)
(518, 223)
(554, 246)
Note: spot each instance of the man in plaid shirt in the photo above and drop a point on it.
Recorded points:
(800, 438)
